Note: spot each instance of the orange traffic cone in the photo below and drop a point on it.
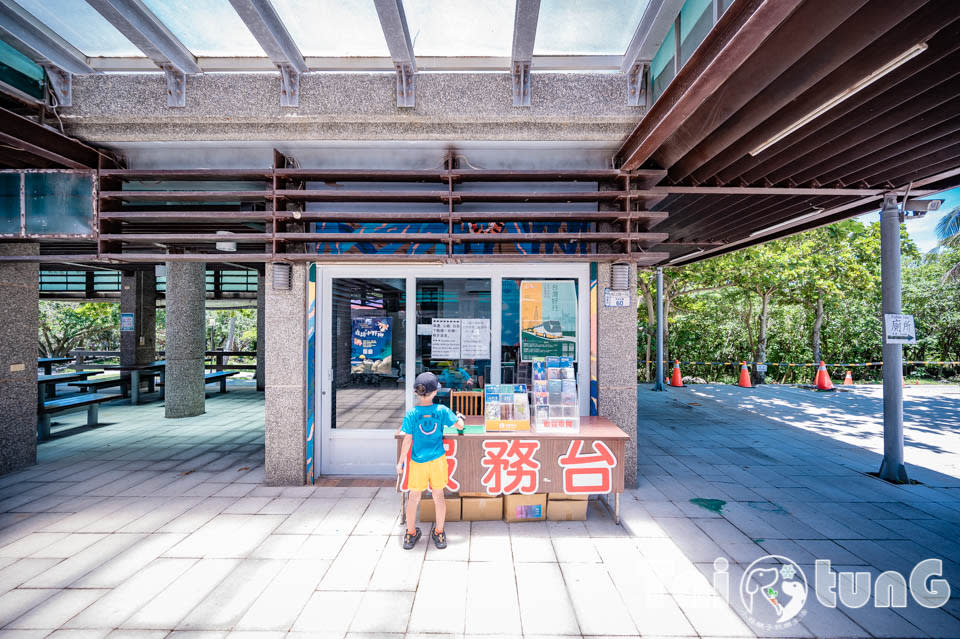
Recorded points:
(677, 380)
(744, 376)
(823, 378)
(818, 376)
(848, 380)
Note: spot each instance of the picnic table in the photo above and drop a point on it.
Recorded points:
(47, 363)
(134, 370)
(47, 384)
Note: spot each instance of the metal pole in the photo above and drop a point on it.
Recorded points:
(891, 468)
(658, 378)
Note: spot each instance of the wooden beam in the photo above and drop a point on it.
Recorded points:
(739, 33)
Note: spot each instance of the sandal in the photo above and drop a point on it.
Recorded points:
(409, 541)
(439, 539)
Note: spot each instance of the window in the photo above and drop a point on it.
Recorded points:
(696, 20)
(325, 28)
(458, 28)
(662, 68)
(79, 24)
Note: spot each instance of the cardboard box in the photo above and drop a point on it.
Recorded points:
(567, 510)
(525, 507)
(469, 494)
(566, 497)
(481, 508)
(427, 511)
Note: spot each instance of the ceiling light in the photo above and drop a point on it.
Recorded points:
(789, 222)
(901, 59)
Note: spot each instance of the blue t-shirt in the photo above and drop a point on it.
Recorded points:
(426, 424)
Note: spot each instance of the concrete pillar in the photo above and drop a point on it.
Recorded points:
(138, 295)
(186, 332)
(261, 332)
(19, 292)
(285, 395)
(617, 366)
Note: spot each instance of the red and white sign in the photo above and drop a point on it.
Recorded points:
(587, 473)
(511, 467)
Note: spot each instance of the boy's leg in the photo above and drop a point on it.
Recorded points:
(440, 507)
(413, 500)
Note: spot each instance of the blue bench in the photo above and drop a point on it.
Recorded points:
(91, 401)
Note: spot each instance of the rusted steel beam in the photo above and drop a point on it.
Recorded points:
(185, 196)
(23, 133)
(240, 175)
(186, 216)
(736, 36)
(333, 195)
(469, 238)
(174, 238)
(750, 190)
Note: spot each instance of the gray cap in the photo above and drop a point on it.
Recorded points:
(425, 383)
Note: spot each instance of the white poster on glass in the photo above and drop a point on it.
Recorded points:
(445, 338)
(475, 338)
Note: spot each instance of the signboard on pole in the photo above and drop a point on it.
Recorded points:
(548, 319)
(899, 329)
(612, 298)
(126, 322)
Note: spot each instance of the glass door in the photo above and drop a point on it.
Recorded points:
(379, 326)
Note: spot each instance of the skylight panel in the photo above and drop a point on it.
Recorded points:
(587, 27)
(208, 28)
(79, 24)
(456, 28)
(334, 28)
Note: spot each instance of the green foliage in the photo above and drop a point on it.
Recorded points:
(65, 326)
(716, 310)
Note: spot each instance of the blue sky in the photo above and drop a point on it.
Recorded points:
(922, 230)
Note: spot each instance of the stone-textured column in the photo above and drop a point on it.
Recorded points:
(617, 365)
(285, 396)
(261, 332)
(138, 295)
(19, 308)
(186, 332)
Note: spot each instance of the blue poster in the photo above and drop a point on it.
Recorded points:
(372, 348)
(126, 322)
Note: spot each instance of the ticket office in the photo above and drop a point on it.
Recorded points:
(379, 326)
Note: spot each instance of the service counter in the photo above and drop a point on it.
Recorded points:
(494, 463)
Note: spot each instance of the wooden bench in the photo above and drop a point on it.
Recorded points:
(219, 376)
(93, 385)
(91, 401)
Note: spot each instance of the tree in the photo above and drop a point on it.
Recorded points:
(65, 326)
(948, 234)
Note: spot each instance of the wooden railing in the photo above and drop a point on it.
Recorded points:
(86, 359)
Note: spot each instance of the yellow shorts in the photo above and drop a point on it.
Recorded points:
(432, 472)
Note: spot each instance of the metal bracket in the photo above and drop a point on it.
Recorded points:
(521, 83)
(289, 86)
(406, 86)
(637, 84)
(176, 86)
(61, 83)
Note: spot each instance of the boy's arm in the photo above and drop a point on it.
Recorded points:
(404, 451)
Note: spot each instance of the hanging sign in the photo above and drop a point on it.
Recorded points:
(548, 319)
(900, 329)
(126, 322)
(445, 338)
(475, 339)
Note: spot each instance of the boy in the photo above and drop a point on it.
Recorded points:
(423, 426)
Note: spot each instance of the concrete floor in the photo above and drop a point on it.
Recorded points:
(161, 528)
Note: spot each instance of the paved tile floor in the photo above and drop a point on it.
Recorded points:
(149, 528)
